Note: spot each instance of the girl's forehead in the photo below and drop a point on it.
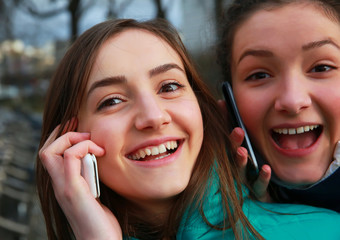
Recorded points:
(293, 18)
(135, 42)
(284, 30)
(130, 52)
(319, 7)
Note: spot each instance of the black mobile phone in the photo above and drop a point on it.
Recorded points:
(236, 121)
(89, 171)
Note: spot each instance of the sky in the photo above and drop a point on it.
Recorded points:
(36, 31)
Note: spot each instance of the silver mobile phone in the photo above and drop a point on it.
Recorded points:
(236, 121)
(89, 171)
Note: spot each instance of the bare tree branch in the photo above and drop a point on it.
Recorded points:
(73, 8)
(6, 11)
(160, 10)
(34, 10)
(115, 10)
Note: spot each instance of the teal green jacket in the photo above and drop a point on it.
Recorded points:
(292, 221)
(272, 220)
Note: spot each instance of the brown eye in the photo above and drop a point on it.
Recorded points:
(259, 75)
(110, 102)
(170, 87)
(322, 68)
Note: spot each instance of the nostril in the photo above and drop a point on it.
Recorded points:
(292, 100)
(291, 107)
(152, 121)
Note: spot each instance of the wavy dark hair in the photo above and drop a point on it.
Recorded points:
(63, 101)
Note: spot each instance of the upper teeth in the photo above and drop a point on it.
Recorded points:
(161, 148)
(298, 130)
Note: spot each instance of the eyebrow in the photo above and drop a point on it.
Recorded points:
(164, 68)
(318, 44)
(306, 47)
(256, 53)
(106, 82)
(114, 80)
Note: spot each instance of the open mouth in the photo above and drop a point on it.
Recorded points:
(296, 138)
(156, 152)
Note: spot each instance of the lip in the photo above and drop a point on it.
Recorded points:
(301, 152)
(158, 162)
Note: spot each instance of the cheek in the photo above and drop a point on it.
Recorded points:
(196, 125)
(330, 106)
(104, 131)
(106, 134)
(335, 113)
(187, 116)
(193, 116)
(326, 99)
(194, 128)
(336, 121)
(252, 109)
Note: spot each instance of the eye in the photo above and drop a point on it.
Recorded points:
(170, 87)
(110, 102)
(258, 75)
(322, 68)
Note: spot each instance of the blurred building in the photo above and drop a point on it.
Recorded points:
(20, 216)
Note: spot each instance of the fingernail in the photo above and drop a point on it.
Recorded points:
(239, 130)
(241, 151)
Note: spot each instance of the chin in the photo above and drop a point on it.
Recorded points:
(298, 178)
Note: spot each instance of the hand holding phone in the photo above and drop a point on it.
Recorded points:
(236, 121)
(89, 171)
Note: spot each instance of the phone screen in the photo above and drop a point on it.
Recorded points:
(236, 121)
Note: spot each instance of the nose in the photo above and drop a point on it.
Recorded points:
(151, 113)
(293, 96)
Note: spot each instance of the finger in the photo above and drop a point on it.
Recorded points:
(79, 150)
(242, 159)
(59, 145)
(44, 153)
(82, 148)
(74, 155)
(70, 126)
(52, 156)
(237, 136)
(66, 168)
(261, 184)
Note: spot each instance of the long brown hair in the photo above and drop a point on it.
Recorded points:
(64, 96)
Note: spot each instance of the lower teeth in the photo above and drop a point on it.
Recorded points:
(160, 157)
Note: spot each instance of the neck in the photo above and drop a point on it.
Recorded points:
(153, 211)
